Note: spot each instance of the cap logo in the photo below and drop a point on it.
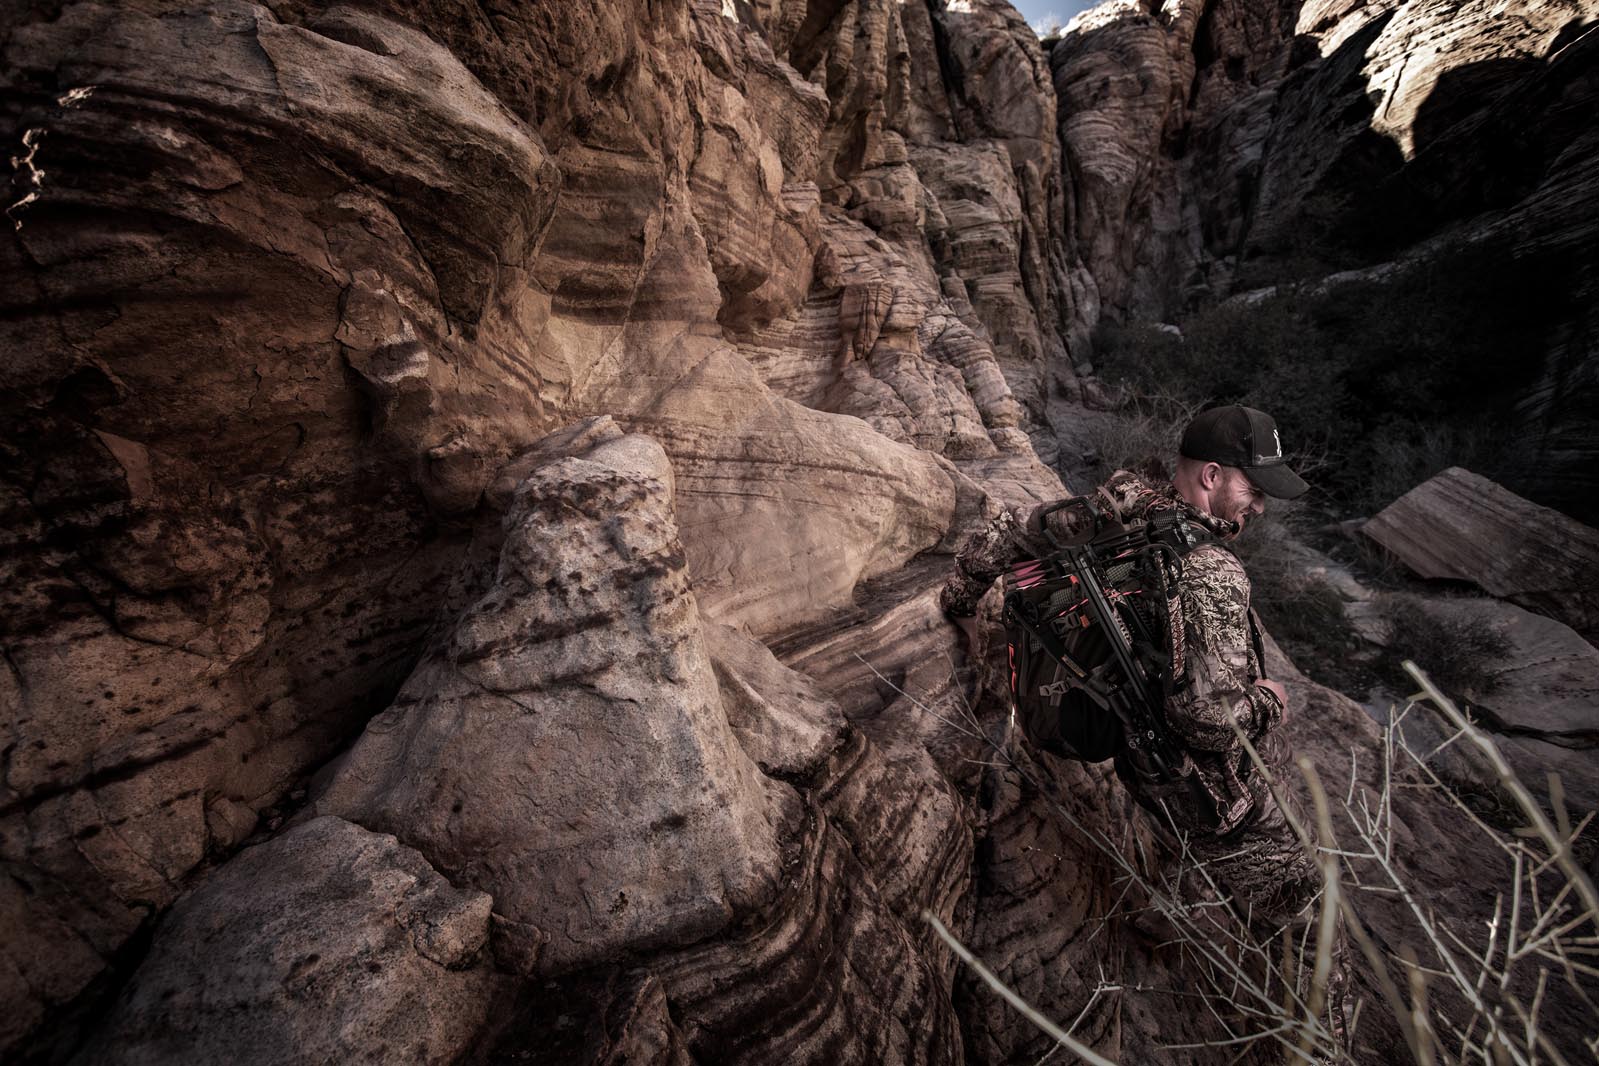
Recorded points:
(1276, 456)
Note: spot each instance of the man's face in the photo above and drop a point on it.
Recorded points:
(1236, 497)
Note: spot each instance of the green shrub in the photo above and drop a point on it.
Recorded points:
(1458, 652)
(1299, 608)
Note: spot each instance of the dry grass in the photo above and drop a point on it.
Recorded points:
(1141, 435)
(1472, 996)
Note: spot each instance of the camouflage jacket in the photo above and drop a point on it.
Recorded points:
(1221, 660)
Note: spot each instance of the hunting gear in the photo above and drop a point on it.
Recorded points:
(1130, 636)
(1097, 648)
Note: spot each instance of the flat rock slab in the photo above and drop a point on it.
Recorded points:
(1548, 684)
(1463, 527)
(328, 944)
(1541, 706)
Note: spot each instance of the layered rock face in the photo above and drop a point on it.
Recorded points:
(1214, 149)
(295, 283)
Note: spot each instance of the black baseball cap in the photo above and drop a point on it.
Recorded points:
(1245, 438)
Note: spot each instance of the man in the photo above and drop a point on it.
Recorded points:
(1231, 459)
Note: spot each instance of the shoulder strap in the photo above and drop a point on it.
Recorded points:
(1254, 638)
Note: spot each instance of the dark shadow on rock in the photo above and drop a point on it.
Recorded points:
(1487, 137)
(1323, 105)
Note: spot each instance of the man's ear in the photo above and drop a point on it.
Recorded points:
(1210, 476)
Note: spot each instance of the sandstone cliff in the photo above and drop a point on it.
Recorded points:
(290, 287)
(546, 425)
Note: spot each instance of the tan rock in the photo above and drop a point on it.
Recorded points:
(820, 254)
(269, 419)
(782, 719)
(1463, 527)
(328, 943)
(564, 747)
(1539, 702)
(245, 396)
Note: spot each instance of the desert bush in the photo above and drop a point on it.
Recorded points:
(1141, 436)
(1458, 652)
(1306, 616)
(1300, 608)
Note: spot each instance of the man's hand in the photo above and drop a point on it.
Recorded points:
(1276, 690)
(967, 626)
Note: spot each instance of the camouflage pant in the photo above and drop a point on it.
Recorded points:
(1270, 881)
(1262, 863)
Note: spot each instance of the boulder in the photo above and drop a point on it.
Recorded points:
(1461, 526)
(1546, 686)
(329, 943)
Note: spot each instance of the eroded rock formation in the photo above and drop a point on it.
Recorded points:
(295, 283)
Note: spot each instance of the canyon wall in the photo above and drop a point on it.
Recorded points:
(1235, 147)
(294, 287)
(476, 478)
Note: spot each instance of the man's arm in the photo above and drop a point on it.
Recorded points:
(1222, 688)
(1015, 533)
(985, 555)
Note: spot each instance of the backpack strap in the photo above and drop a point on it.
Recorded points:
(1254, 638)
(1016, 612)
(1181, 536)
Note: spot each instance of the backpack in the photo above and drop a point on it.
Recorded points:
(1095, 638)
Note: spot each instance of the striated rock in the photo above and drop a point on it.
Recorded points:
(1119, 73)
(328, 943)
(302, 291)
(1462, 527)
(295, 284)
(1546, 685)
(1044, 909)
(1232, 130)
(1000, 229)
(256, 354)
(782, 718)
(831, 964)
